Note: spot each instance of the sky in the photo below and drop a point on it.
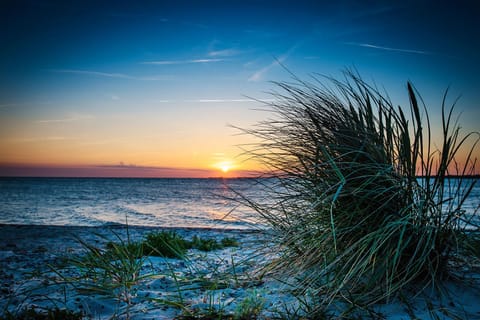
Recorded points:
(153, 88)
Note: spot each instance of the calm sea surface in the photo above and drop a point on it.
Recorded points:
(145, 202)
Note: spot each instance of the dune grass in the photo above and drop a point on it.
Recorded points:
(114, 272)
(363, 200)
(165, 244)
(172, 245)
(118, 270)
(53, 314)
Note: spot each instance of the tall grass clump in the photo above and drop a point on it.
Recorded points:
(362, 199)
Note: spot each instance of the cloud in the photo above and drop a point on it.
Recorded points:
(218, 154)
(218, 100)
(93, 73)
(258, 75)
(110, 171)
(368, 45)
(122, 165)
(130, 166)
(192, 61)
(9, 105)
(214, 100)
(108, 75)
(73, 118)
(223, 53)
(25, 104)
(38, 139)
(266, 100)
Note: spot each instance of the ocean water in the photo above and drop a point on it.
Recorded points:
(146, 202)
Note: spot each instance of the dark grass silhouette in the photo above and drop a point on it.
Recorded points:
(355, 222)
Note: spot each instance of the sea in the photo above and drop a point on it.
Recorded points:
(199, 203)
(202, 203)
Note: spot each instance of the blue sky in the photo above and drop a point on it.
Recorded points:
(142, 84)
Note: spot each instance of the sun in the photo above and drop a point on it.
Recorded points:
(224, 166)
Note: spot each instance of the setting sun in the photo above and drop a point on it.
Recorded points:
(224, 166)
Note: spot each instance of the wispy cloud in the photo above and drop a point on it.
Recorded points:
(224, 53)
(73, 118)
(38, 139)
(206, 100)
(372, 46)
(114, 170)
(110, 75)
(124, 166)
(24, 104)
(192, 61)
(8, 105)
(218, 100)
(93, 73)
(258, 75)
(214, 100)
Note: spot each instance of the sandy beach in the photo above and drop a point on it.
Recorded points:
(32, 258)
(33, 273)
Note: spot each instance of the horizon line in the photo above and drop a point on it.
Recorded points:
(116, 171)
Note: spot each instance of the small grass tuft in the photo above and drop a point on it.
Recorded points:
(172, 245)
(134, 248)
(167, 244)
(250, 307)
(205, 244)
(32, 313)
(229, 242)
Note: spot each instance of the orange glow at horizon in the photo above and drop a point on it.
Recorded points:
(141, 148)
(225, 166)
(120, 170)
(228, 168)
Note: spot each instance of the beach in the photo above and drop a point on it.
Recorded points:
(237, 160)
(33, 271)
(224, 281)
